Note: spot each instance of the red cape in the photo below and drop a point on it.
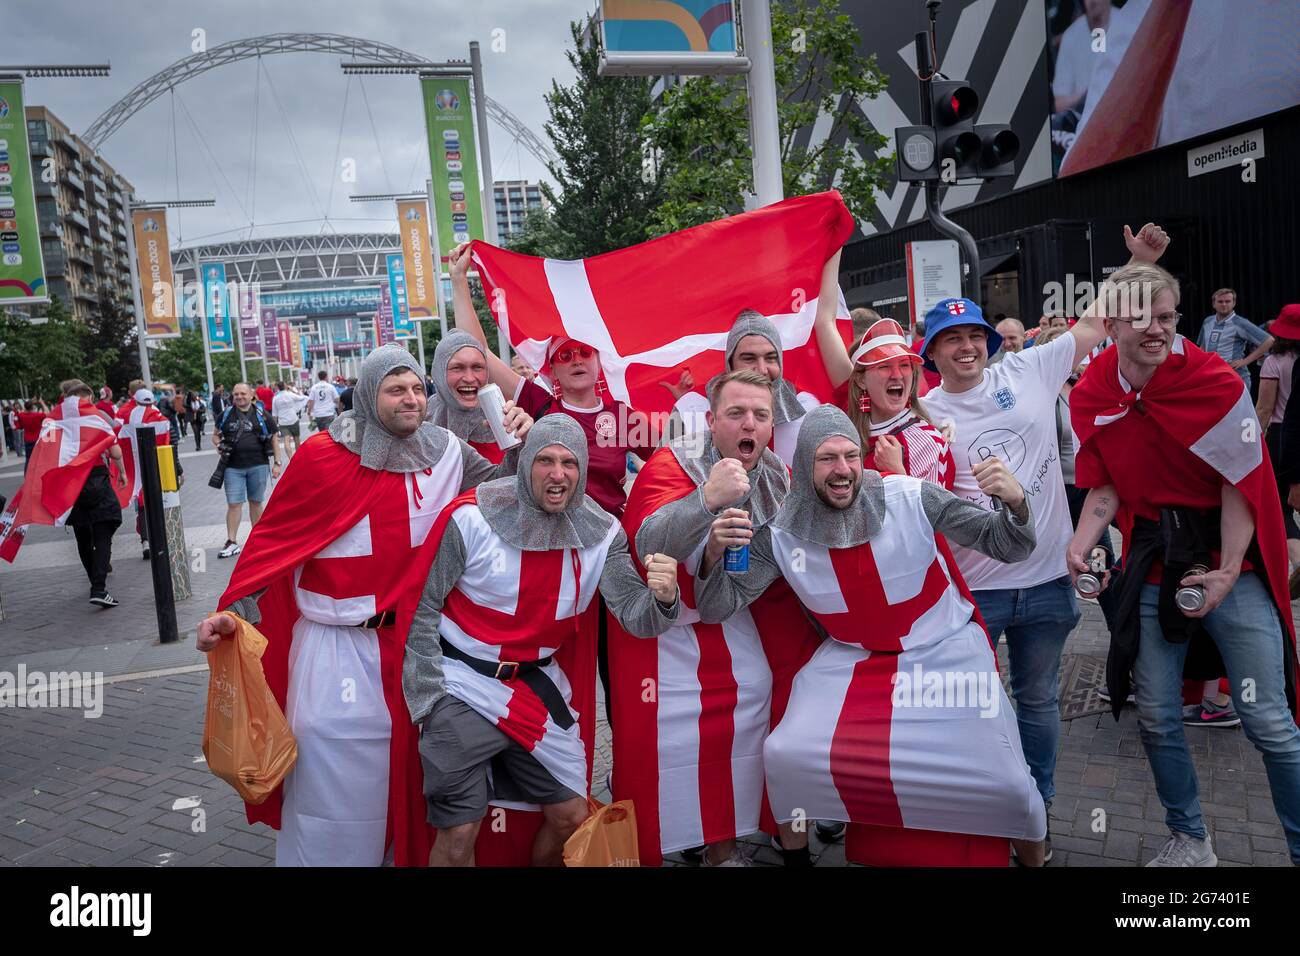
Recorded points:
(294, 528)
(1190, 396)
(787, 637)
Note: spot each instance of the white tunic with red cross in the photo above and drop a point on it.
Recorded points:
(336, 796)
(515, 605)
(899, 720)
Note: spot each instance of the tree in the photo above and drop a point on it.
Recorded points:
(112, 344)
(604, 200)
(701, 130)
(179, 361)
(38, 356)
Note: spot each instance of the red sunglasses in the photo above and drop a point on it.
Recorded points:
(566, 355)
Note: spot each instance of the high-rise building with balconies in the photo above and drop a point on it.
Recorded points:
(82, 207)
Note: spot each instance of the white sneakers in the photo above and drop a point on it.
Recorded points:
(1184, 850)
(230, 550)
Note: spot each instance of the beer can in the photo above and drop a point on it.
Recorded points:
(1192, 596)
(493, 405)
(736, 559)
(1087, 584)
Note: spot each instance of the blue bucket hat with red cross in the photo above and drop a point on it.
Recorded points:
(951, 313)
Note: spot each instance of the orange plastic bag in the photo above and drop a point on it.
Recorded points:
(606, 838)
(246, 739)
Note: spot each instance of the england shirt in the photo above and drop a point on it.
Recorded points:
(1011, 415)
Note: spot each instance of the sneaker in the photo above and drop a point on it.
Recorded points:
(144, 552)
(230, 550)
(693, 854)
(1206, 714)
(1103, 694)
(828, 831)
(1184, 850)
(736, 859)
(104, 600)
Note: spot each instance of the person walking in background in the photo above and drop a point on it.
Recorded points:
(219, 401)
(286, 408)
(264, 396)
(324, 401)
(1274, 390)
(248, 437)
(176, 413)
(1227, 333)
(29, 420)
(345, 396)
(198, 410)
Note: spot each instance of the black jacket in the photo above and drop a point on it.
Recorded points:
(1287, 467)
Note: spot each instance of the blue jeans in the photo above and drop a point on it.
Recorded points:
(1036, 621)
(1246, 629)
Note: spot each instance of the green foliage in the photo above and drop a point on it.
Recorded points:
(604, 201)
(180, 362)
(38, 356)
(112, 341)
(701, 131)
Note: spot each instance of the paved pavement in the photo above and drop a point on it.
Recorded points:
(130, 787)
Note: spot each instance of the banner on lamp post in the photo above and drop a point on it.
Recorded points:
(216, 308)
(270, 338)
(250, 322)
(22, 266)
(453, 161)
(403, 327)
(154, 268)
(413, 224)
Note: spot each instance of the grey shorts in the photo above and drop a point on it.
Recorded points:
(457, 746)
(293, 430)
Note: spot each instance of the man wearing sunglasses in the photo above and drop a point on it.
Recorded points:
(1170, 444)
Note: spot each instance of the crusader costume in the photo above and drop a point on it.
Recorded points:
(500, 661)
(865, 738)
(445, 409)
(690, 755)
(334, 589)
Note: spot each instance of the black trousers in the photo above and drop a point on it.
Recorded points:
(95, 548)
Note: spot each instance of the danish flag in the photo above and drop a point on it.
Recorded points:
(73, 440)
(660, 309)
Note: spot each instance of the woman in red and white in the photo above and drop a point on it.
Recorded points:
(897, 435)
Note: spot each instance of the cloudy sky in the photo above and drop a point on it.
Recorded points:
(306, 94)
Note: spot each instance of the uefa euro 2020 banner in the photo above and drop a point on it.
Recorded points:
(421, 293)
(453, 162)
(22, 269)
(154, 267)
(216, 307)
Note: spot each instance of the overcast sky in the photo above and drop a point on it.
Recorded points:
(141, 37)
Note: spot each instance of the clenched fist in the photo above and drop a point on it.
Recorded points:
(212, 629)
(888, 455)
(998, 482)
(728, 483)
(661, 577)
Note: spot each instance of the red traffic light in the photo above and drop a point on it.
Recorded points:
(955, 103)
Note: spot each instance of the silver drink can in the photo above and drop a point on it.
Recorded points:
(493, 405)
(1191, 597)
(1087, 584)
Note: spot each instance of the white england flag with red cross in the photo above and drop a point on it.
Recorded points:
(660, 308)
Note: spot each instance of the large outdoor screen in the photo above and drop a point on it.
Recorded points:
(1131, 76)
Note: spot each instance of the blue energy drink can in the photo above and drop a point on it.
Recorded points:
(736, 559)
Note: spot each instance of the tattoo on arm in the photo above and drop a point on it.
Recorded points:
(1099, 512)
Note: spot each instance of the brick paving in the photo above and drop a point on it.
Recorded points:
(130, 788)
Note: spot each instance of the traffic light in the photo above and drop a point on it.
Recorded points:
(954, 148)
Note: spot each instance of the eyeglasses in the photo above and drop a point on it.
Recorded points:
(1167, 320)
(565, 356)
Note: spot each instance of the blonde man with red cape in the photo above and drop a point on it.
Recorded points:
(331, 575)
(1169, 444)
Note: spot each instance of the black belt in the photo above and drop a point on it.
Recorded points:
(527, 671)
(382, 619)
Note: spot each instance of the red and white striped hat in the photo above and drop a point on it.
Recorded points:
(883, 341)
